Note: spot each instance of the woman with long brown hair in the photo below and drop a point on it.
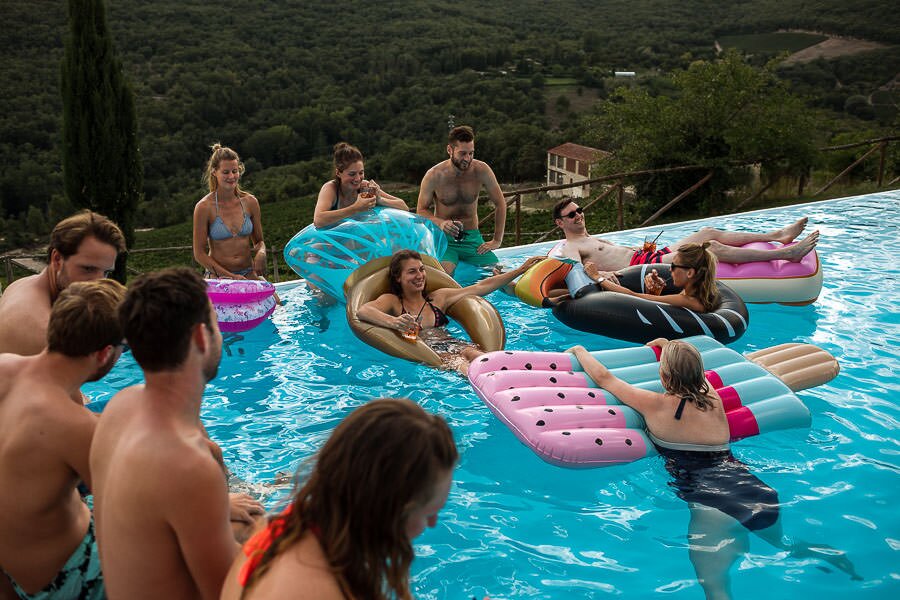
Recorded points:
(693, 270)
(350, 192)
(375, 485)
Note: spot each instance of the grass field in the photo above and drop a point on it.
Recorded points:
(560, 81)
(771, 43)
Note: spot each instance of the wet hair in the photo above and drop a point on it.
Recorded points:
(221, 153)
(85, 318)
(463, 133)
(158, 314)
(344, 156)
(382, 461)
(559, 206)
(682, 375)
(68, 234)
(699, 258)
(396, 269)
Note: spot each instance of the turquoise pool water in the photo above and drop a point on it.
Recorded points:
(516, 527)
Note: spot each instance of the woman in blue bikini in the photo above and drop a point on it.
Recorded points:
(228, 235)
(687, 424)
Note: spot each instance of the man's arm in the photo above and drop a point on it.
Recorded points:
(73, 432)
(199, 516)
(489, 181)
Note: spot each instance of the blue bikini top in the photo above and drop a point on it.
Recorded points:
(218, 230)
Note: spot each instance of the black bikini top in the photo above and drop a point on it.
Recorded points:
(440, 319)
(680, 408)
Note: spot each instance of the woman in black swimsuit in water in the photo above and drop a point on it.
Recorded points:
(408, 307)
(687, 424)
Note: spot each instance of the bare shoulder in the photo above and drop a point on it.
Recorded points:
(438, 171)
(300, 572)
(388, 302)
(251, 200)
(482, 168)
(24, 314)
(205, 203)
(26, 288)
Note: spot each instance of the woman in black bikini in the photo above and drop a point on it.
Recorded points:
(407, 307)
(344, 195)
(688, 426)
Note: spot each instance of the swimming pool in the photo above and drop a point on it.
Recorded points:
(516, 527)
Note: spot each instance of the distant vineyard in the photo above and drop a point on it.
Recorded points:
(771, 42)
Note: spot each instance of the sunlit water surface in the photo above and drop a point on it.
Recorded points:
(516, 527)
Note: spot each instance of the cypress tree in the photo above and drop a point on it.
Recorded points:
(102, 166)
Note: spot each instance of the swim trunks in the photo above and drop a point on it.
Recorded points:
(648, 258)
(715, 478)
(79, 579)
(466, 250)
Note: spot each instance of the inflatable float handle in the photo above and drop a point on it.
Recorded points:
(578, 282)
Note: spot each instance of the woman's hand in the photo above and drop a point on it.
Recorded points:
(259, 263)
(653, 283)
(591, 270)
(374, 188)
(365, 202)
(405, 322)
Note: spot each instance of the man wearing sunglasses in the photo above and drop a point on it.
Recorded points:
(610, 257)
(83, 247)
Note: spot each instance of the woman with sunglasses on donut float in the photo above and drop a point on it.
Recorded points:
(693, 270)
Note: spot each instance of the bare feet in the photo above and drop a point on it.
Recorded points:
(796, 252)
(788, 234)
(834, 557)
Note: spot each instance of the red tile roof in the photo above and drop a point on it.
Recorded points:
(578, 152)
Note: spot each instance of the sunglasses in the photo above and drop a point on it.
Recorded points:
(675, 266)
(571, 215)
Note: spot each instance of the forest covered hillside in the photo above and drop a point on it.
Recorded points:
(283, 81)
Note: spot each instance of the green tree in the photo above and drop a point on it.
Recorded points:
(101, 160)
(721, 114)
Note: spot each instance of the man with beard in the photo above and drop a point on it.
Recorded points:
(160, 495)
(47, 546)
(449, 197)
(83, 247)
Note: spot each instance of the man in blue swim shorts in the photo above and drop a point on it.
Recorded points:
(44, 522)
(449, 198)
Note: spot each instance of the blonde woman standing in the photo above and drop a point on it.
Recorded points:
(228, 235)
